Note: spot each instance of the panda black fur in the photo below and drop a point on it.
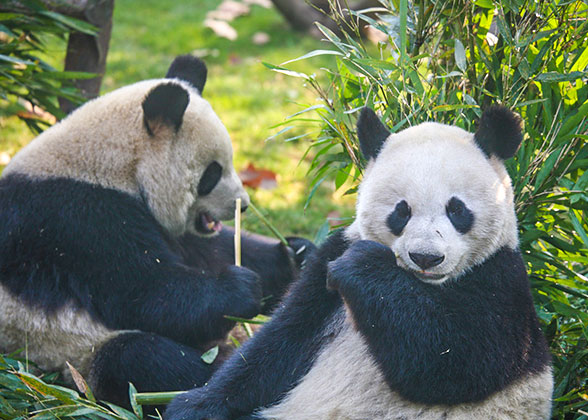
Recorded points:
(112, 256)
(420, 309)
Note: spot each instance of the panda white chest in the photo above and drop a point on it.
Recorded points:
(345, 383)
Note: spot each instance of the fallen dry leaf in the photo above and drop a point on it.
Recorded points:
(221, 28)
(234, 8)
(234, 59)
(263, 3)
(77, 378)
(260, 38)
(220, 15)
(258, 178)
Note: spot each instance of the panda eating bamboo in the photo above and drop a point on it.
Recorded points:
(112, 254)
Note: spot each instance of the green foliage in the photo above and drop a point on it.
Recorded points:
(24, 396)
(445, 61)
(23, 75)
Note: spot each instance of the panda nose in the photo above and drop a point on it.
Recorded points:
(425, 261)
(244, 208)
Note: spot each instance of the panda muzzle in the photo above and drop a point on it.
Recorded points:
(207, 224)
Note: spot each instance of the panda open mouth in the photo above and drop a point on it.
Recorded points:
(207, 224)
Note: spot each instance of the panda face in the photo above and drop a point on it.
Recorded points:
(435, 198)
(215, 184)
(189, 173)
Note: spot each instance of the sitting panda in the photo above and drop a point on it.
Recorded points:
(421, 309)
(112, 254)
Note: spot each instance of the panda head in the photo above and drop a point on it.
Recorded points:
(182, 126)
(157, 140)
(438, 196)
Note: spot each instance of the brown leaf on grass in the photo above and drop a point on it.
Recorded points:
(263, 3)
(258, 178)
(221, 15)
(260, 38)
(234, 59)
(221, 28)
(333, 218)
(228, 11)
(235, 8)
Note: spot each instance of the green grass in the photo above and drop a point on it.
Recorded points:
(249, 98)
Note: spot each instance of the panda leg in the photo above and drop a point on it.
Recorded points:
(150, 362)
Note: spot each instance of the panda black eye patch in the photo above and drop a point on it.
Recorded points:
(210, 178)
(398, 219)
(460, 216)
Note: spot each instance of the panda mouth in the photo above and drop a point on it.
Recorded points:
(207, 224)
(423, 275)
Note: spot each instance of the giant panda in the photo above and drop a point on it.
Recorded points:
(420, 309)
(112, 255)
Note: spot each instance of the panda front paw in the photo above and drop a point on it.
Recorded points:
(194, 405)
(362, 261)
(299, 250)
(243, 292)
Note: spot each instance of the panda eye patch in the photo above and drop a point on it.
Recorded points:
(460, 216)
(398, 219)
(210, 178)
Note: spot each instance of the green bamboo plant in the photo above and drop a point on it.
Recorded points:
(24, 75)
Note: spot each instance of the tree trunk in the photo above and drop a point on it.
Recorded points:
(302, 15)
(86, 52)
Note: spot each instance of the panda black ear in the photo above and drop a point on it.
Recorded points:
(499, 132)
(372, 133)
(164, 105)
(189, 68)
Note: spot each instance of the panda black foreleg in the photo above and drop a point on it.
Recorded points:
(276, 264)
(150, 362)
(415, 339)
(450, 343)
(270, 364)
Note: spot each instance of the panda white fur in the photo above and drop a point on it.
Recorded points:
(112, 256)
(421, 309)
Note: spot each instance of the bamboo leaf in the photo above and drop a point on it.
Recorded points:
(285, 71)
(546, 168)
(137, 409)
(75, 24)
(313, 191)
(554, 76)
(460, 56)
(62, 394)
(311, 54)
(403, 31)
(15, 60)
(209, 356)
(579, 228)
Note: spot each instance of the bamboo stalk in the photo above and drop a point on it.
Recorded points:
(156, 398)
(268, 224)
(238, 232)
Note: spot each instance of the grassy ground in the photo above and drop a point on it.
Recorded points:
(247, 96)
